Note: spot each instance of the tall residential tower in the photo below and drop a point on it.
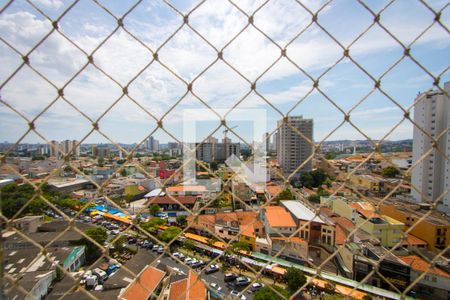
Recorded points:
(294, 149)
(431, 176)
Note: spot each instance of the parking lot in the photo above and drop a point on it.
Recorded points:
(220, 284)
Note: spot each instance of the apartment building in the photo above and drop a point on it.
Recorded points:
(294, 149)
(384, 228)
(65, 147)
(431, 176)
(432, 227)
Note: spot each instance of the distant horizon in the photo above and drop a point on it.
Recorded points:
(167, 142)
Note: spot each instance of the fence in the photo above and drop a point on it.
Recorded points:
(127, 73)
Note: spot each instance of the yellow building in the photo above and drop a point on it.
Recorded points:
(370, 183)
(434, 229)
(387, 230)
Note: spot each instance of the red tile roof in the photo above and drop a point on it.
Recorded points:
(419, 264)
(278, 216)
(190, 288)
(168, 200)
(274, 190)
(144, 285)
(414, 241)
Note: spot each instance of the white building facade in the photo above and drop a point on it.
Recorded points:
(431, 176)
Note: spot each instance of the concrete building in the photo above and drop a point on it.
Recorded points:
(152, 144)
(209, 152)
(431, 176)
(29, 224)
(434, 284)
(315, 229)
(386, 229)
(277, 221)
(432, 227)
(294, 149)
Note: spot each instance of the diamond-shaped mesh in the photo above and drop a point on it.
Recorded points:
(146, 73)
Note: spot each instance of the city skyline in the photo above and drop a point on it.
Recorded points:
(221, 87)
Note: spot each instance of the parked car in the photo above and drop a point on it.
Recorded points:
(155, 248)
(215, 286)
(229, 277)
(102, 276)
(212, 269)
(236, 295)
(256, 286)
(160, 250)
(242, 281)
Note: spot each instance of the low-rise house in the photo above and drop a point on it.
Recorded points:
(293, 249)
(436, 282)
(314, 228)
(186, 190)
(174, 203)
(28, 224)
(228, 225)
(147, 284)
(277, 221)
(368, 184)
(189, 287)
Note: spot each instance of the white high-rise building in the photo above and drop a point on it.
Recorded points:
(54, 149)
(431, 176)
(292, 148)
(152, 144)
(67, 145)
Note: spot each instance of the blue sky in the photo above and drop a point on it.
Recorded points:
(156, 89)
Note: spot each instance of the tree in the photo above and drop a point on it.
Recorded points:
(390, 172)
(169, 234)
(314, 199)
(330, 155)
(14, 197)
(119, 243)
(99, 235)
(188, 244)
(237, 247)
(154, 208)
(313, 179)
(295, 279)
(181, 220)
(100, 161)
(123, 173)
(153, 225)
(212, 240)
(268, 293)
(214, 166)
(284, 195)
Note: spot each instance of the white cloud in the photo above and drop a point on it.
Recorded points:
(156, 89)
(49, 3)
